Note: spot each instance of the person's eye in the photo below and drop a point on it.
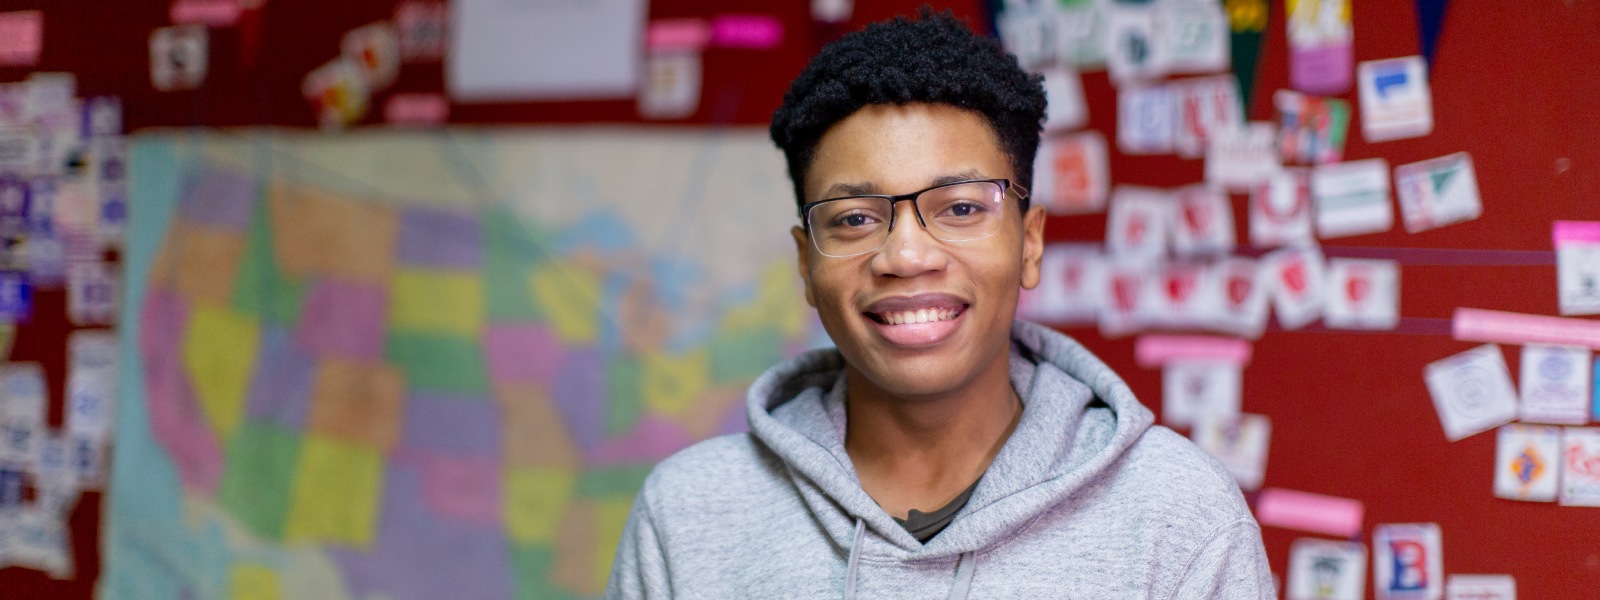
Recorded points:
(853, 219)
(965, 208)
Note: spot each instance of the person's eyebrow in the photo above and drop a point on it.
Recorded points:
(841, 190)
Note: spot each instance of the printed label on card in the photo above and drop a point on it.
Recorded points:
(1240, 444)
(1311, 129)
(1580, 466)
(1280, 209)
(1191, 389)
(1297, 284)
(1326, 570)
(1242, 158)
(1065, 109)
(1185, 295)
(1243, 303)
(1146, 119)
(1408, 561)
(1081, 32)
(1577, 246)
(16, 295)
(1071, 173)
(1205, 107)
(1395, 100)
(1438, 192)
(420, 27)
(1555, 384)
(1527, 463)
(1319, 46)
(1138, 222)
(22, 412)
(338, 92)
(91, 383)
(1352, 198)
(1472, 391)
(1136, 51)
(1123, 307)
(1025, 31)
(1480, 587)
(178, 57)
(672, 85)
(1195, 36)
(1203, 223)
(91, 294)
(1363, 294)
(375, 49)
(1071, 286)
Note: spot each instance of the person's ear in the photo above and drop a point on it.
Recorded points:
(802, 249)
(1032, 245)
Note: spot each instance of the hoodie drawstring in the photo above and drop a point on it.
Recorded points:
(963, 577)
(855, 561)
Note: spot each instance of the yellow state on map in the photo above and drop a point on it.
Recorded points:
(536, 502)
(778, 302)
(336, 493)
(219, 351)
(611, 515)
(437, 301)
(253, 582)
(674, 383)
(570, 296)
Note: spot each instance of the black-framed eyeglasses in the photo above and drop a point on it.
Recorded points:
(961, 211)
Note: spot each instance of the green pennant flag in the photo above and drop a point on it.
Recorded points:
(1247, 19)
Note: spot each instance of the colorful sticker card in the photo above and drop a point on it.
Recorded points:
(1195, 388)
(1407, 561)
(1577, 246)
(1065, 108)
(1025, 31)
(1555, 384)
(1138, 221)
(1297, 283)
(1395, 100)
(1205, 106)
(1243, 303)
(91, 383)
(1319, 45)
(1472, 391)
(1438, 192)
(1352, 198)
(1081, 30)
(1580, 466)
(1326, 570)
(1203, 223)
(1280, 209)
(1311, 129)
(91, 293)
(1194, 35)
(1136, 52)
(1145, 119)
(338, 92)
(1527, 463)
(1123, 307)
(1363, 294)
(1480, 587)
(22, 411)
(375, 49)
(672, 85)
(1185, 295)
(1240, 444)
(421, 27)
(1071, 173)
(1071, 286)
(178, 57)
(1243, 157)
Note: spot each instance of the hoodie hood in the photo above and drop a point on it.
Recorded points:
(1078, 418)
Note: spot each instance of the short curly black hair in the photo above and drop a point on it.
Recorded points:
(934, 58)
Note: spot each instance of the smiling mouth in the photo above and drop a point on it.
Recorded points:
(921, 315)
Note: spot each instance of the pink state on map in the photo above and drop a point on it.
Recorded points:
(176, 422)
(344, 319)
(522, 352)
(462, 489)
(651, 440)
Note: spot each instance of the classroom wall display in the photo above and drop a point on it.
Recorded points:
(422, 366)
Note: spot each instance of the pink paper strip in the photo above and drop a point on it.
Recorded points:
(1310, 512)
(416, 109)
(1575, 231)
(677, 34)
(1478, 325)
(1157, 350)
(758, 32)
(21, 37)
(215, 13)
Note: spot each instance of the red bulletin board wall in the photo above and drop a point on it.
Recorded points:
(1513, 83)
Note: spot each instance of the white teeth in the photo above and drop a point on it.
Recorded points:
(925, 315)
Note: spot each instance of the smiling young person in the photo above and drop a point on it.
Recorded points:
(943, 448)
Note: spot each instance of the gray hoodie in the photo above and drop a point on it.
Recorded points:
(1087, 499)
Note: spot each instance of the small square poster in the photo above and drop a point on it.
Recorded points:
(1527, 463)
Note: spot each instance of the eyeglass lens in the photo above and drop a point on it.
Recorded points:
(953, 213)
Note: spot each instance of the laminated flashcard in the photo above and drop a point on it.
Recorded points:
(91, 293)
(1146, 119)
(91, 383)
(1352, 198)
(18, 148)
(1136, 52)
(1242, 307)
(1297, 284)
(1311, 129)
(1240, 444)
(1395, 100)
(1280, 209)
(1124, 303)
(1580, 466)
(1407, 561)
(22, 411)
(1480, 587)
(1071, 173)
(1071, 286)
(1527, 463)
(1363, 294)
(672, 85)
(375, 49)
(1577, 246)
(1194, 35)
(1555, 384)
(1138, 221)
(14, 198)
(1326, 570)
(102, 116)
(338, 92)
(1437, 192)
(1065, 109)
(1025, 31)
(1205, 106)
(1184, 295)
(1244, 157)
(1202, 223)
(1319, 46)
(1081, 30)
(1471, 391)
(1195, 388)
(178, 57)
(420, 28)
(16, 295)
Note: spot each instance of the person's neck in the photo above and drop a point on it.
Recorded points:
(923, 452)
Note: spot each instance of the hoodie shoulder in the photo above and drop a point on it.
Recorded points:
(1178, 480)
(713, 475)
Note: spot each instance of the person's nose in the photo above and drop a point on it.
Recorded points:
(910, 249)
